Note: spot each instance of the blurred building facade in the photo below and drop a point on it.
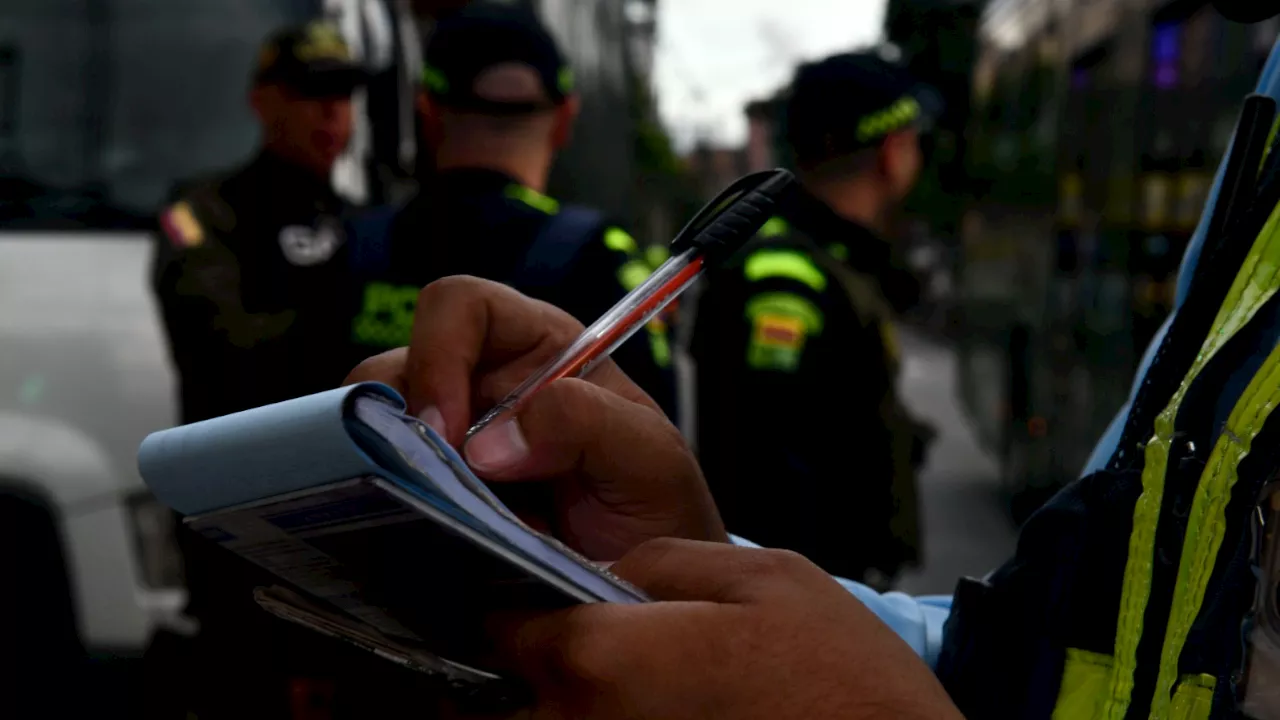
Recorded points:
(1095, 130)
(714, 168)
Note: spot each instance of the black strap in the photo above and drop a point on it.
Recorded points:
(550, 257)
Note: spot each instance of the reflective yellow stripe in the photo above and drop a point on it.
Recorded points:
(659, 345)
(655, 255)
(1194, 698)
(618, 240)
(1208, 520)
(788, 264)
(1253, 286)
(1085, 677)
(533, 198)
(633, 273)
(774, 227)
(780, 303)
(894, 117)
(1266, 151)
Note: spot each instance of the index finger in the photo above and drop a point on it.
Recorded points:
(474, 339)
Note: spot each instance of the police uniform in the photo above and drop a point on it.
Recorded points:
(801, 433)
(247, 262)
(484, 223)
(250, 274)
(1149, 588)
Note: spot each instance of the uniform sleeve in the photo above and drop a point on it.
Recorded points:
(197, 280)
(220, 350)
(609, 267)
(790, 427)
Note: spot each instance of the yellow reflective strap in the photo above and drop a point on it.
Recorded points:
(1085, 678)
(787, 304)
(619, 240)
(633, 273)
(789, 264)
(1207, 522)
(533, 198)
(1266, 151)
(1253, 286)
(774, 227)
(1194, 698)
(659, 344)
(655, 255)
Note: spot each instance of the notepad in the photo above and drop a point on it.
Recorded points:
(373, 521)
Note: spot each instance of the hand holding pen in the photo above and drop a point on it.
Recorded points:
(722, 227)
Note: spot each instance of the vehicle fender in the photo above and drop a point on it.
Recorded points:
(73, 474)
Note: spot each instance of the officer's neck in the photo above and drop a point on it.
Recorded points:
(529, 168)
(284, 156)
(854, 199)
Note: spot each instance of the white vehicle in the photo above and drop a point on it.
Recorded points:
(103, 104)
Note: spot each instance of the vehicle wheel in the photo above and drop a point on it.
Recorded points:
(40, 650)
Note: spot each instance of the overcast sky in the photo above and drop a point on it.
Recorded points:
(714, 56)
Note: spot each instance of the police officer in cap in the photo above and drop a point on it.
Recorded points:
(794, 339)
(248, 273)
(245, 261)
(498, 103)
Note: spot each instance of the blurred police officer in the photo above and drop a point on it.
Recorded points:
(245, 268)
(498, 103)
(794, 340)
(248, 273)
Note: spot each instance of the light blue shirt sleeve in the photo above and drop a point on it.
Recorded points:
(917, 620)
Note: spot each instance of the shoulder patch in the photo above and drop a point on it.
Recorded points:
(775, 227)
(533, 199)
(780, 325)
(788, 264)
(180, 225)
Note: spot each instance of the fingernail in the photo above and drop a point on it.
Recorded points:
(432, 417)
(497, 447)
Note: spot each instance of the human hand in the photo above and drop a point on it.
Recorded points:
(617, 471)
(739, 634)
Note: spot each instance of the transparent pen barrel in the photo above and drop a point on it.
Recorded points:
(611, 330)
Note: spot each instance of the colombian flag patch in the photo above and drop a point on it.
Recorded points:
(181, 227)
(779, 331)
(776, 342)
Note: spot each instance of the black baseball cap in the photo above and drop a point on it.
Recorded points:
(850, 102)
(312, 60)
(495, 59)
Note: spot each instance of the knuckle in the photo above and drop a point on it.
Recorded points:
(776, 563)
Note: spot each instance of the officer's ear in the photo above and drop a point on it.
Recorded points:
(566, 116)
(900, 161)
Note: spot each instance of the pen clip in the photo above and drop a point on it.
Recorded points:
(736, 213)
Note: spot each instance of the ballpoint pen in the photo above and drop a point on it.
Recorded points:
(714, 234)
